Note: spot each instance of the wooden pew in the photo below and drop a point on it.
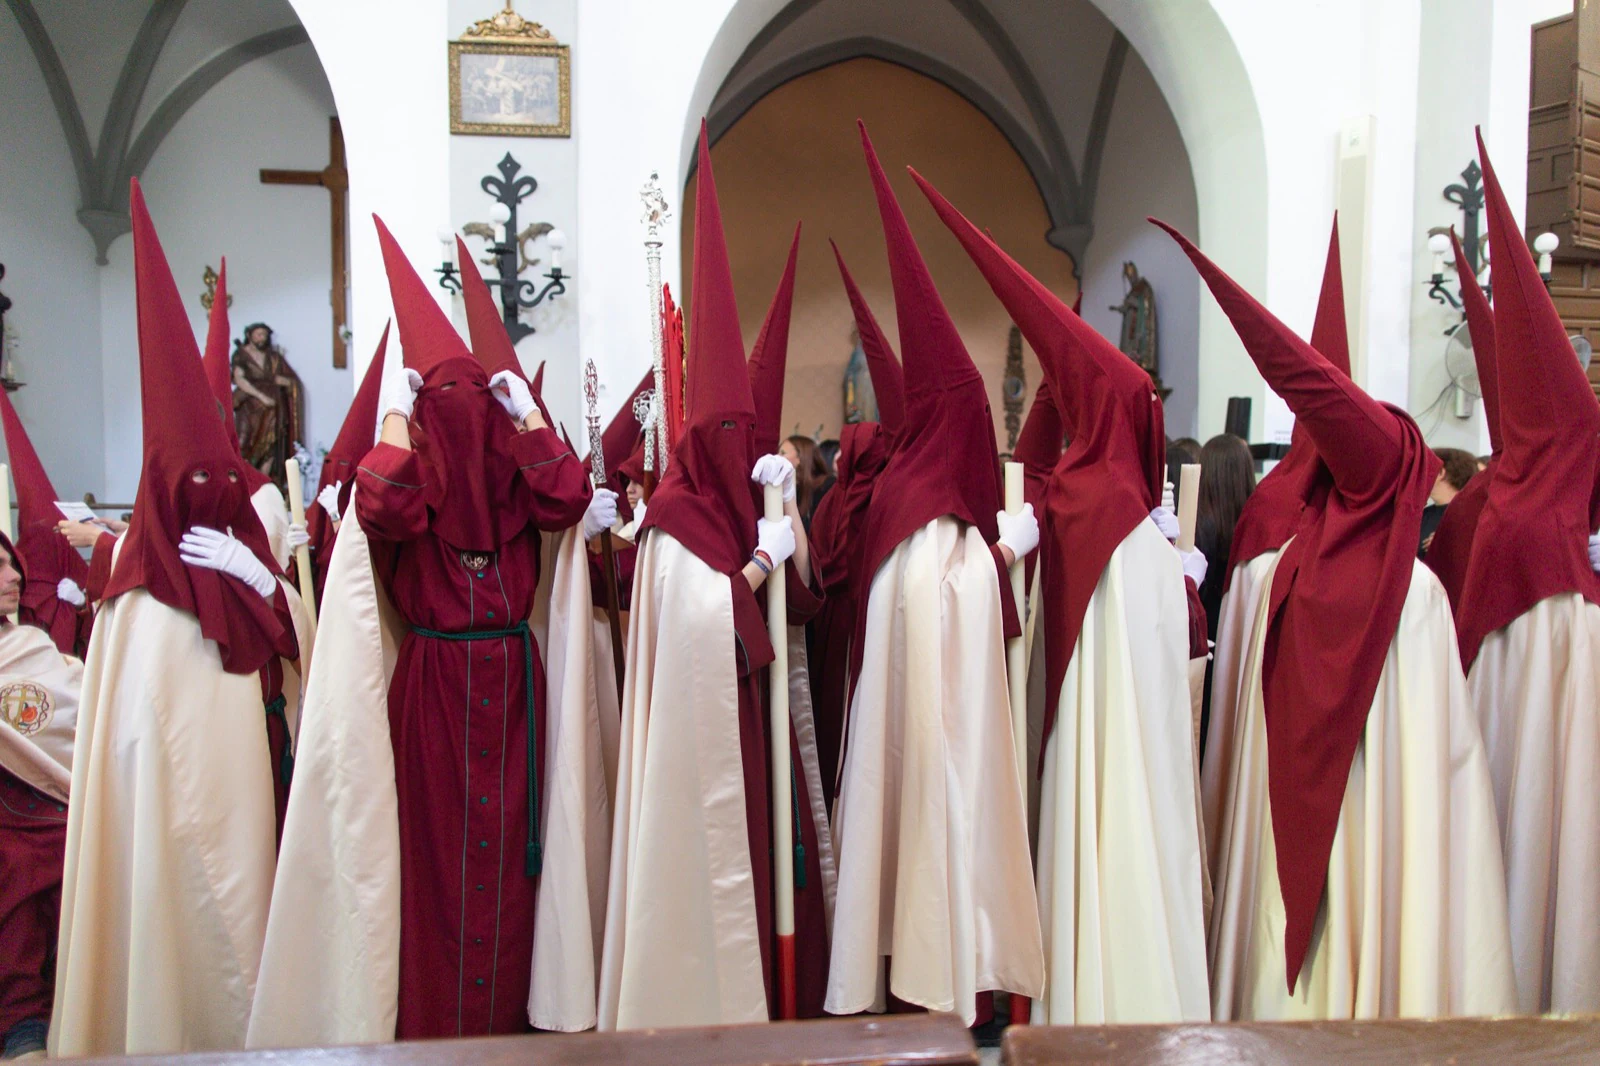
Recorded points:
(1452, 1042)
(901, 1040)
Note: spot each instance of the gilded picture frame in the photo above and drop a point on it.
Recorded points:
(510, 88)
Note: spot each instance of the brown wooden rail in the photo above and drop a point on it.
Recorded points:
(1455, 1042)
(907, 1040)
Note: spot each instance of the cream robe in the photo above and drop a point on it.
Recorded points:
(170, 842)
(274, 515)
(1236, 634)
(1413, 922)
(1120, 883)
(931, 829)
(39, 690)
(1537, 693)
(681, 944)
(330, 969)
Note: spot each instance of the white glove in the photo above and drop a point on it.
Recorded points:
(329, 498)
(1166, 521)
(223, 551)
(516, 398)
(298, 537)
(67, 591)
(400, 393)
(1194, 566)
(1594, 552)
(1168, 500)
(601, 515)
(775, 470)
(1019, 532)
(775, 538)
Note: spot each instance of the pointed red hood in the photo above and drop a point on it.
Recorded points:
(672, 354)
(218, 362)
(1337, 592)
(41, 551)
(1111, 474)
(1451, 549)
(888, 385)
(426, 336)
(185, 439)
(359, 429)
(704, 499)
(491, 344)
(945, 461)
(1272, 512)
(769, 358)
(1532, 538)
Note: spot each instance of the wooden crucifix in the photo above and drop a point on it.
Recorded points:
(334, 178)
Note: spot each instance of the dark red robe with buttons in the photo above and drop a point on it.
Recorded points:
(33, 843)
(459, 726)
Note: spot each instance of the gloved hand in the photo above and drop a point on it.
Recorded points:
(775, 470)
(329, 498)
(400, 392)
(67, 591)
(1166, 521)
(298, 537)
(1019, 532)
(602, 513)
(1594, 552)
(1194, 566)
(213, 550)
(513, 394)
(775, 539)
(1168, 500)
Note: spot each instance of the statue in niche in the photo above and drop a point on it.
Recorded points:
(860, 402)
(269, 405)
(1138, 311)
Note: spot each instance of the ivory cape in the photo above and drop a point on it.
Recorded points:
(170, 841)
(330, 966)
(1120, 869)
(39, 696)
(1536, 691)
(274, 514)
(931, 834)
(1413, 919)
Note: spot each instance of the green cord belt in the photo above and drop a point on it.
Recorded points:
(533, 860)
(278, 707)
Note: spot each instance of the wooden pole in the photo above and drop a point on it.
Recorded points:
(608, 559)
(782, 798)
(1188, 504)
(302, 554)
(1017, 680)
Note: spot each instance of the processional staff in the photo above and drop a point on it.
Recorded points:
(597, 474)
(655, 431)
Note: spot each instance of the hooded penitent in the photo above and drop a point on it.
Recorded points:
(491, 344)
(1451, 548)
(1336, 594)
(1273, 510)
(48, 555)
(193, 476)
(456, 420)
(622, 437)
(1110, 476)
(354, 441)
(1532, 537)
(704, 499)
(770, 356)
(217, 359)
(945, 461)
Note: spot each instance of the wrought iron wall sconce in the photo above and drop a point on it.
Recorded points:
(506, 245)
(1468, 196)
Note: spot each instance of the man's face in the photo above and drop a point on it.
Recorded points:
(10, 584)
(635, 494)
(258, 337)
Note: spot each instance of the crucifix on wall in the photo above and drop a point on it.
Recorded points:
(334, 178)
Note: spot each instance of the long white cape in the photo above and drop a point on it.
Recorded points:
(1414, 916)
(1536, 688)
(39, 690)
(931, 828)
(1120, 882)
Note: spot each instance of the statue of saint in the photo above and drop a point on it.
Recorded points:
(860, 402)
(269, 405)
(1138, 310)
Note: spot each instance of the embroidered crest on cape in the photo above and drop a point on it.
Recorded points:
(25, 706)
(475, 560)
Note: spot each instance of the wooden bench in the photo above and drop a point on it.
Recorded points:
(1454, 1042)
(902, 1040)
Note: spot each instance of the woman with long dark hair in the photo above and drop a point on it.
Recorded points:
(1227, 478)
(811, 479)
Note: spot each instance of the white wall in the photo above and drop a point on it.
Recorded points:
(1145, 171)
(207, 201)
(50, 277)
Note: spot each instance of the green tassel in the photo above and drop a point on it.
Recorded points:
(800, 866)
(286, 766)
(534, 865)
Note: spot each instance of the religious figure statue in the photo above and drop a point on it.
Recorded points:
(269, 405)
(860, 402)
(1138, 310)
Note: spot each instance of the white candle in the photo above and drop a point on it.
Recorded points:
(1438, 265)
